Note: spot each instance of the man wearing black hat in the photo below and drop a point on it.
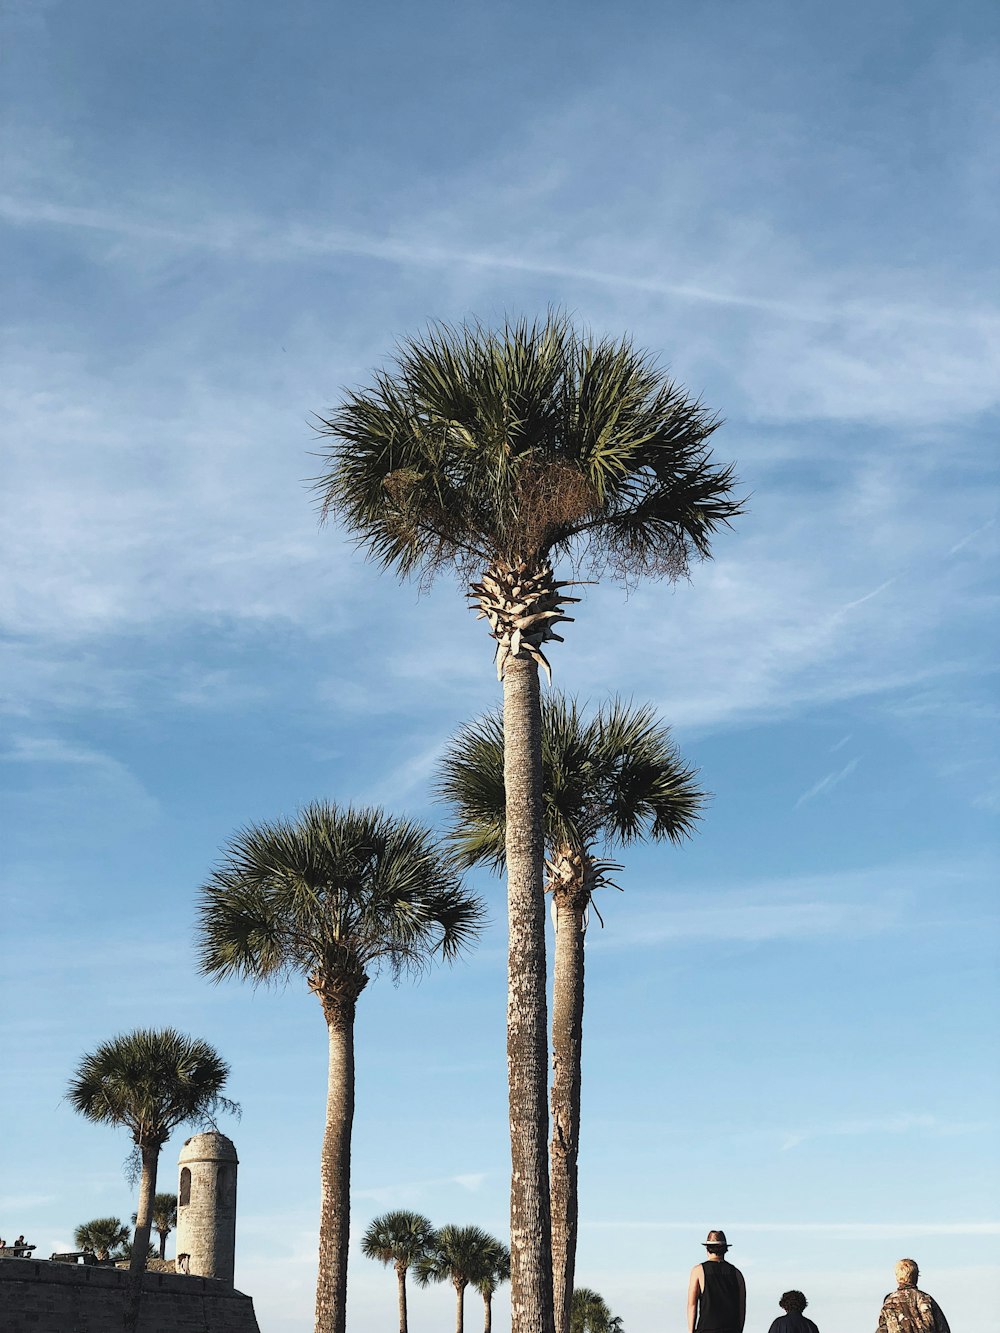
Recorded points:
(717, 1294)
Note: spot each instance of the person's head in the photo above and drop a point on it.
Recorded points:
(716, 1244)
(793, 1302)
(907, 1272)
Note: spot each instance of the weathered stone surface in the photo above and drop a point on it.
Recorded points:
(41, 1297)
(206, 1205)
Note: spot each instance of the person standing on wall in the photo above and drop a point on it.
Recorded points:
(717, 1294)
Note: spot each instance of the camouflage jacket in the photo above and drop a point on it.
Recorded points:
(907, 1310)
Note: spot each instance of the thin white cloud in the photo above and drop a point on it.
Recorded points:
(825, 785)
(903, 1123)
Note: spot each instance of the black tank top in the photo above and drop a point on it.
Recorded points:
(719, 1306)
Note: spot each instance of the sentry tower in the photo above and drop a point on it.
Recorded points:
(206, 1206)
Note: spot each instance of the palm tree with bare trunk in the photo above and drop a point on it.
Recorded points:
(614, 779)
(333, 896)
(462, 1256)
(149, 1081)
(401, 1239)
(497, 1271)
(495, 454)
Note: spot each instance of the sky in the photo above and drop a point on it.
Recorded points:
(219, 216)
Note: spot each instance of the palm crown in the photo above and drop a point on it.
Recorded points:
(614, 779)
(332, 896)
(515, 445)
(459, 1255)
(102, 1235)
(399, 1238)
(151, 1081)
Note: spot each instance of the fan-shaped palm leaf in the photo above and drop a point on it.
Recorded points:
(103, 1236)
(401, 1239)
(459, 1255)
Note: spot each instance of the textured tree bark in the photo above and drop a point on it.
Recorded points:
(530, 1237)
(460, 1312)
(401, 1279)
(140, 1241)
(567, 1038)
(488, 1302)
(335, 1171)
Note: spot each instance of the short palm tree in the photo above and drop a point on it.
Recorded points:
(333, 897)
(103, 1237)
(497, 1272)
(459, 1255)
(615, 779)
(400, 1239)
(590, 1313)
(150, 1081)
(495, 453)
(164, 1218)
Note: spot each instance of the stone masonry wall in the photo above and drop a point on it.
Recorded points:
(37, 1296)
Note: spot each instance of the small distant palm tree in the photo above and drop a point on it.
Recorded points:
(589, 1313)
(333, 897)
(103, 1237)
(164, 1219)
(498, 1271)
(400, 1239)
(459, 1255)
(496, 453)
(128, 1250)
(614, 779)
(150, 1081)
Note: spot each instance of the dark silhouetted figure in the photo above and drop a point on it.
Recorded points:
(793, 1320)
(717, 1294)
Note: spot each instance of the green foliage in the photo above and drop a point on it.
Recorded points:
(399, 1238)
(533, 440)
(150, 1081)
(332, 896)
(102, 1236)
(496, 1268)
(589, 1313)
(460, 1255)
(615, 779)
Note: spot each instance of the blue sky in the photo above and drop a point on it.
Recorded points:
(218, 215)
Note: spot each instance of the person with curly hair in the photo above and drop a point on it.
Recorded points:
(909, 1310)
(793, 1320)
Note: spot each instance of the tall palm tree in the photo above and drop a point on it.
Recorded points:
(102, 1236)
(333, 897)
(400, 1239)
(459, 1255)
(150, 1081)
(164, 1219)
(495, 453)
(615, 779)
(497, 1271)
(590, 1313)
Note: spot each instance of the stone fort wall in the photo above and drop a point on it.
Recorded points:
(37, 1296)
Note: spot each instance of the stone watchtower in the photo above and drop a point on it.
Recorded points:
(206, 1206)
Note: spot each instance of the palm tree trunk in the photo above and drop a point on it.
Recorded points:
(530, 1240)
(401, 1279)
(335, 1170)
(488, 1302)
(163, 1244)
(567, 1037)
(460, 1312)
(140, 1241)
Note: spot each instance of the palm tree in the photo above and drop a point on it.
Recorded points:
(590, 1313)
(458, 1255)
(150, 1081)
(497, 1271)
(103, 1237)
(496, 453)
(164, 1218)
(333, 897)
(615, 779)
(400, 1239)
